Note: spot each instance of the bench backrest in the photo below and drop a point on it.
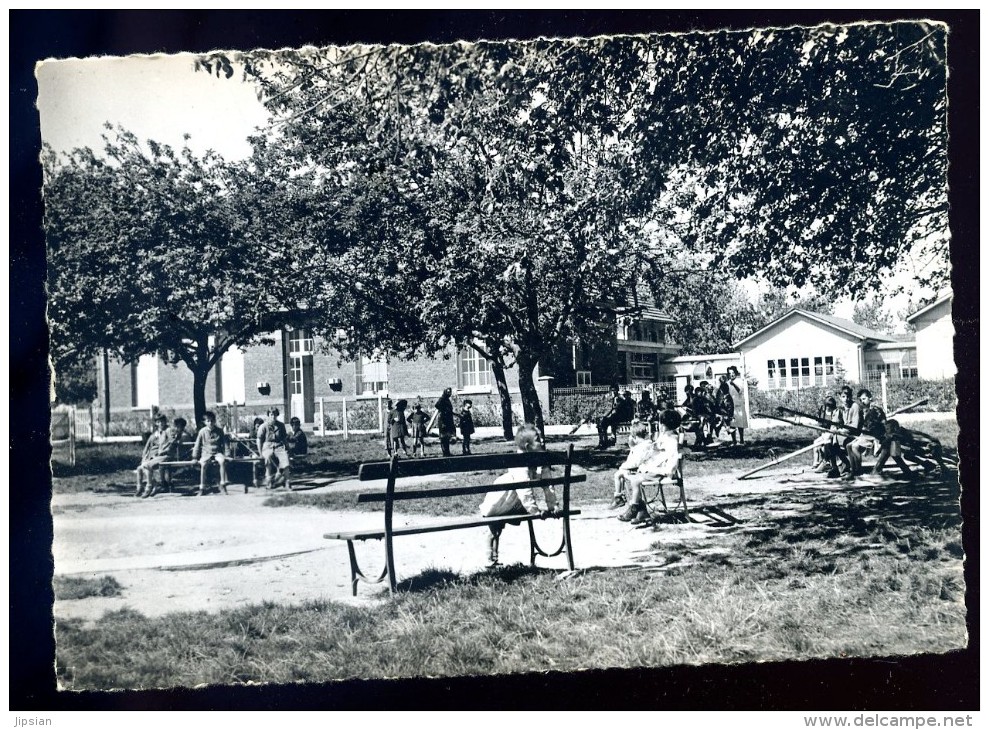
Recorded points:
(453, 464)
(396, 468)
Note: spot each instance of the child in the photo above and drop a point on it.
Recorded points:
(826, 413)
(157, 450)
(296, 441)
(848, 415)
(891, 444)
(873, 430)
(271, 446)
(210, 445)
(396, 427)
(514, 502)
(389, 408)
(640, 448)
(661, 463)
(725, 406)
(418, 419)
(466, 425)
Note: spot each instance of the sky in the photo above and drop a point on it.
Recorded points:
(156, 97)
(163, 97)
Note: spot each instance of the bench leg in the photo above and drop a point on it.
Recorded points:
(353, 566)
(532, 544)
(566, 540)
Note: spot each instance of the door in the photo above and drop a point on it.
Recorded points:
(302, 401)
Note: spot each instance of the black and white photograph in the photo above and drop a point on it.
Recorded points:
(520, 356)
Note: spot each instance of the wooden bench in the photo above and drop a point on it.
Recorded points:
(397, 468)
(166, 467)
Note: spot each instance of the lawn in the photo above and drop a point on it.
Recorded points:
(817, 572)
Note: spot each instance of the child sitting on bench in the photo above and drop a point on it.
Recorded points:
(513, 501)
(640, 448)
(661, 464)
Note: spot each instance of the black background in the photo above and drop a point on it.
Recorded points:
(945, 682)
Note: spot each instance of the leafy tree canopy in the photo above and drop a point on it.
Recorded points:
(153, 250)
(510, 192)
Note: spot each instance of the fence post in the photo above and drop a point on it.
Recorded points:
(381, 419)
(346, 432)
(72, 435)
(92, 425)
(882, 386)
(322, 418)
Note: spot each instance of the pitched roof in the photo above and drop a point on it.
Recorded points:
(829, 320)
(924, 310)
(640, 299)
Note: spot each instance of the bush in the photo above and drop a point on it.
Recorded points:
(571, 409)
(899, 393)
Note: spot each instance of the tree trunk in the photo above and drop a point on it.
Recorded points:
(498, 369)
(199, 375)
(530, 396)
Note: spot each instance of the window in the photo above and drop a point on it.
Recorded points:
(371, 375)
(295, 375)
(642, 366)
(300, 342)
(474, 371)
(799, 372)
(583, 377)
(908, 372)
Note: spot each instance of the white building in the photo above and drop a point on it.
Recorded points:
(803, 349)
(935, 335)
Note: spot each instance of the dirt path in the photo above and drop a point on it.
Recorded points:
(177, 553)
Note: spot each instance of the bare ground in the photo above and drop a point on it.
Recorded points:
(177, 553)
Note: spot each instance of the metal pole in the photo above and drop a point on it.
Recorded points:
(381, 419)
(882, 385)
(322, 418)
(346, 432)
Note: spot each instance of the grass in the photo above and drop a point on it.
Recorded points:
(900, 597)
(68, 588)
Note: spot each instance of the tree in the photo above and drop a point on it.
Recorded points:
(555, 173)
(712, 312)
(75, 380)
(157, 251)
(870, 313)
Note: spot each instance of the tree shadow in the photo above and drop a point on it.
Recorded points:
(811, 529)
(432, 578)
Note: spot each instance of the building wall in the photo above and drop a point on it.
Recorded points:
(423, 378)
(799, 337)
(935, 343)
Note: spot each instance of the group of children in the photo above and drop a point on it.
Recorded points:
(275, 444)
(856, 425)
(416, 425)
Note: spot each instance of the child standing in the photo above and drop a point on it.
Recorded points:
(418, 419)
(512, 501)
(466, 425)
(210, 445)
(396, 427)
